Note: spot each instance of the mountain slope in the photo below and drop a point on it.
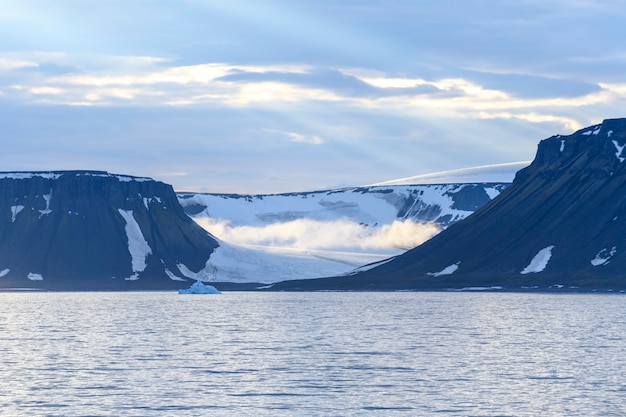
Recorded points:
(561, 223)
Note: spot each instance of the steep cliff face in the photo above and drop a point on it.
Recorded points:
(561, 223)
(94, 230)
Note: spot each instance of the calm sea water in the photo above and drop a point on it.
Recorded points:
(298, 354)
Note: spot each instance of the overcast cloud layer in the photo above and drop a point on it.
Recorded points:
(281, 95)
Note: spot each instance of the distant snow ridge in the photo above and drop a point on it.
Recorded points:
(504, 173)
(137, 245)
(361, 214)
(54, 175)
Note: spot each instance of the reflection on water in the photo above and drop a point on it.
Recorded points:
(404, 353)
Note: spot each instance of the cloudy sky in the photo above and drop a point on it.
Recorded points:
(293, 95)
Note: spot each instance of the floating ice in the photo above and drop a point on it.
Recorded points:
(35, 277)
(540, 261)
(4, 272)
(199, 288)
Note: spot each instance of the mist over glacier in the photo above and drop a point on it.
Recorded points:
(342, 234)
(265, 238)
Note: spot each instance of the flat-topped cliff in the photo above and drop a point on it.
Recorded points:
(95, 230)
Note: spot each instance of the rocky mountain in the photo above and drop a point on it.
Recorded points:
(561, 224)
(85, 230)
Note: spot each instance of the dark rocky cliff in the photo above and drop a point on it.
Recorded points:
(561, 224)
(88, 230)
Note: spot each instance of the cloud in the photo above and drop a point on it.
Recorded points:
(7, 64)
(569, 123)
(154, 81)
(329, 235)
(299, 137)
(159, 81)
(46, 90)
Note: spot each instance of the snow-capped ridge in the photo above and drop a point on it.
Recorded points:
(498, 173)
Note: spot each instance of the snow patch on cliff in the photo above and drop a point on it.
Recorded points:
(47, 198)
(539, 262)
(619, 150)
(604, 256)
(448, 270)
(15, 210)
(137, 245)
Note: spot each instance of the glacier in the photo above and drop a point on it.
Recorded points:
(274, 237)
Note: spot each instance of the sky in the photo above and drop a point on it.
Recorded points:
(299, 95)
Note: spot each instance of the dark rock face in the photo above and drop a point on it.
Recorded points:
(562, 223)
(87, 230)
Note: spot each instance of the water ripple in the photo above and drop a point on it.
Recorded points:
(335, 354)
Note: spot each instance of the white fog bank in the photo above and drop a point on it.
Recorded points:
(338, 235)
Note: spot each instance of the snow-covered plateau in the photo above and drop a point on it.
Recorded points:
(270, 238)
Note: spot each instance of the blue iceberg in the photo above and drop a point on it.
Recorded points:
(200, 288)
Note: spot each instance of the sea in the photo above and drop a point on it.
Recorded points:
(312, 354)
